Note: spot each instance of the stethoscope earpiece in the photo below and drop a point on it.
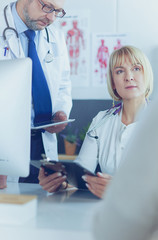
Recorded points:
(95, 137)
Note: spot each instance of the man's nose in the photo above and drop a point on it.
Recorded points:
(51, 16)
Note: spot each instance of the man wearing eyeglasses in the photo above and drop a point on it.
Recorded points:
(31, 33)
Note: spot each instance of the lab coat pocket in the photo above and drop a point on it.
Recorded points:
(4, 53)
(4, 49)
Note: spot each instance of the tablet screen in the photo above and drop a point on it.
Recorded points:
(50, 124)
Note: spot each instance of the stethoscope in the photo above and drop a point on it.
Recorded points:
(49, 56)
(8, 27)
(112, 111)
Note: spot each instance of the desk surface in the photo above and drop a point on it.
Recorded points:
(66, 157)
(65, 215)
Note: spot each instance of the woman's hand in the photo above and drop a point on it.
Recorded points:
(53, 182)
(97, 184)
(3, 181)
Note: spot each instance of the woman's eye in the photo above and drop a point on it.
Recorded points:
(119, 71)
(137, 69)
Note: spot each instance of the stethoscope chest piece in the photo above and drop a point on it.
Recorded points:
(49, 57)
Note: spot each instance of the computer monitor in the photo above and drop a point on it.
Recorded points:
(15, 116)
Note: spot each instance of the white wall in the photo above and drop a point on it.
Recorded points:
(138, 18)
(103, 19)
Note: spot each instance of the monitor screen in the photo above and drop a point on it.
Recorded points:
(15, 116)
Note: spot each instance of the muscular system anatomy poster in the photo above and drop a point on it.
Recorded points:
(103, 45)
(77, 33)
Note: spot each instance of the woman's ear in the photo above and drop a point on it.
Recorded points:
(113, 85)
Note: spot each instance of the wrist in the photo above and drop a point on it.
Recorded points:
(3, 181)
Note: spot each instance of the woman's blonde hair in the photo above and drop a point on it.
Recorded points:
(135, 56)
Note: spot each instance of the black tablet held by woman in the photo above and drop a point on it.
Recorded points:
(74, 171)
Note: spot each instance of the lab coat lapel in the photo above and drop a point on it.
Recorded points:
(15, 46)
(43, 47)
(13, 42)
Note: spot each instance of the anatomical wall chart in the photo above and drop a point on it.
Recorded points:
(77, 34)
(103, 45)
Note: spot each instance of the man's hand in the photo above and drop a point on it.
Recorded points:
(59, 116)
(97, 184)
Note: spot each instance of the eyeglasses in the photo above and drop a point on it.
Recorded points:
(49, 9)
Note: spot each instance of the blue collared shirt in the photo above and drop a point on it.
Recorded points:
(21, 28)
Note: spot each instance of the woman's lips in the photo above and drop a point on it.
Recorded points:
(130, 87)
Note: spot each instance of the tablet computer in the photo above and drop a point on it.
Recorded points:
(73, 170)
(50, 124)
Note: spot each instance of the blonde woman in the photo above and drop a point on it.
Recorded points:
(130, 81)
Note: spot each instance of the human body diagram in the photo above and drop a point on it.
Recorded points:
(102, 59)
(75, 43)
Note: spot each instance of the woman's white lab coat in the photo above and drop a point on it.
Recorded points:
(105, 143)
(56, 72)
